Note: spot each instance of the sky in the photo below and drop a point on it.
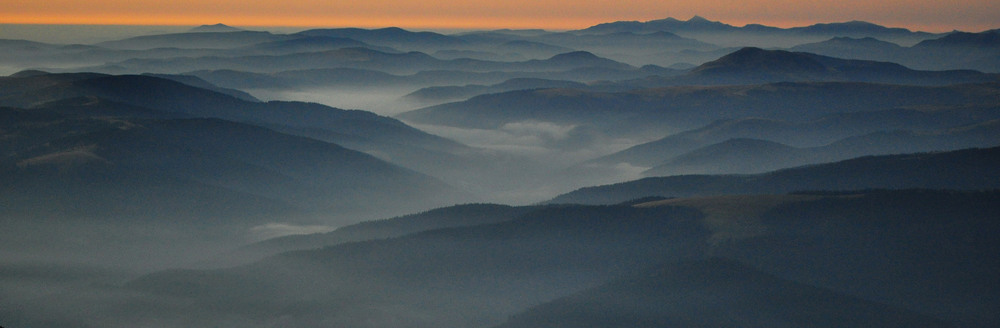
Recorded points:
(925, 15)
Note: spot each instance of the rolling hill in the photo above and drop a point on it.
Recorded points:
(867, 48)
(762, 35)
(888, 247)
(659, 111)
(96, 148)
(392, 37)
(742, 156)
(194, 40)
(961, 169)
(955, 50)
(373, 80)
(440, 218)
(814, 133)
(483, 273)
(215, 28)
(357, 129)
(123, 188)
(756, 66)
(357, 58)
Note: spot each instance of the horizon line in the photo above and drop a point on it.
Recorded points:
(447, 27)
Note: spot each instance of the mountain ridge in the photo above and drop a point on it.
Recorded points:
(699, 27)
(218, 27)
(960, 169)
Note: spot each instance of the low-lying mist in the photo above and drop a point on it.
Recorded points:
(382, 101)
(530, 160)
(274, 230)
(542, 154)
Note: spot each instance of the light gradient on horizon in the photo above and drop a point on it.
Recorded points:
(925, 15)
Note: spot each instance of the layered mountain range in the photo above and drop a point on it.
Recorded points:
(630, 174)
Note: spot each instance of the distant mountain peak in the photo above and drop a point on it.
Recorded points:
(215, 28)
(393, 29)
(753, 54)
(747, 51)
(751, 59)
(575, 55)
(853, 28)
(668, 24)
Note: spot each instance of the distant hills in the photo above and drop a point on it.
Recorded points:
(755, 66)
(353, 78)
(758, 66)
(195, 40)
(752, 145)
(667, 24)
(850, 40)
(304, 44)
(391, 36)
(818, 132)
(215, 28)
(357, 58)
(721, 33)
(868, 48)
(957, 50)
(662, 42)
(650, 112)
(755, 156)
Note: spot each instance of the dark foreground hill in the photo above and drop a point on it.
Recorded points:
(440, 218)
(713, 293)
(92, 191)
(962, 169)
(876, 258)
(813, 260)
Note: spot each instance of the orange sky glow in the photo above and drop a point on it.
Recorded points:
(933, 16)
